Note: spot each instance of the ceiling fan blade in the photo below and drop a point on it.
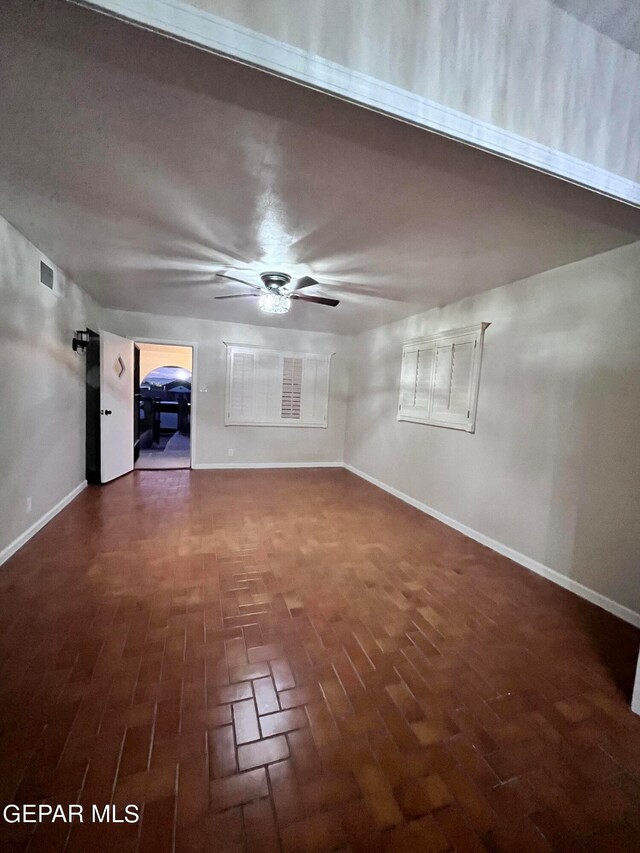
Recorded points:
(321, 300)
(236, 296)
(239, 280)
(305, 281)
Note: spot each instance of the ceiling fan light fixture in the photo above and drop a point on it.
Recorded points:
(274, 303)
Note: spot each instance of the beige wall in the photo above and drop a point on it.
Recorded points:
(153, 356)
(553, 470)
(211, 438)
(42, 386)
(526, 67)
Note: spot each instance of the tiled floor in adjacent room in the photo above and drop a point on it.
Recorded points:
(295, 660)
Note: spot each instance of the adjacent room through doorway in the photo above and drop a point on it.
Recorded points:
(162, 408)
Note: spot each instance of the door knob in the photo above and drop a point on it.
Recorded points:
(107, 411)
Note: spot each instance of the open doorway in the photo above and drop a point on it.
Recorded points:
(163, 406)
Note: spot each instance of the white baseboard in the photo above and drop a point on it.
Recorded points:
(207, 466)
(585, 592)
(21, 540)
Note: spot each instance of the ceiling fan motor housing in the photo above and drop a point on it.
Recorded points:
(275, 281)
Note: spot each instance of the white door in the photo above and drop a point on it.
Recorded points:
(116, 406)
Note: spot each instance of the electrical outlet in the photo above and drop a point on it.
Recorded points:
(230, 451)
(29, 504)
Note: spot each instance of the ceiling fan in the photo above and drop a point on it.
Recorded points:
(275, 295)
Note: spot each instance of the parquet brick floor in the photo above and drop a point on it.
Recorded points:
(294, 660)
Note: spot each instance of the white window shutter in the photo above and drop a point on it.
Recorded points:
(291, 388)
(424, 380)
(461, 374)
(440, 378)
(268, 386)
(408, 381)
(241, 392)
(315, 390)
(272, 388)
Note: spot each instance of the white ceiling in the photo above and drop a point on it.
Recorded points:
(141, 166)
(618, 19)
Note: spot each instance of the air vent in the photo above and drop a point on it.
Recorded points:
(46, 275)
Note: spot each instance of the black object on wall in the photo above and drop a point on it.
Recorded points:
(92, 443)
(80, 340)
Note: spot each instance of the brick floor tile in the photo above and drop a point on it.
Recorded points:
(135, 753)
(222, 752)
(285, 721)
(418, 836)
(263, 752)
(238, 789)
(260, 827)
(299, 696)
(282, 675)
(316, 834)
(329, 791)
(266, 696)
(158, 827)
(247, 672)
(418, 797)
(245, 721)
(378, 795)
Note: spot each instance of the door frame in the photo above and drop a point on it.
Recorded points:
(194, 382)
(92, 408)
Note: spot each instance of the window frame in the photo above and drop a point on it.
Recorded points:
(323, 391)
(475, 334)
